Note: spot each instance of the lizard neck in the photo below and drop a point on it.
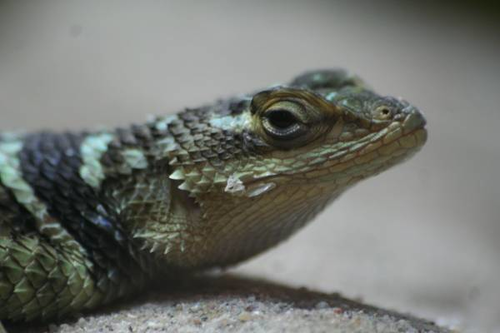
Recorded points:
(162, 221)
(179, 233)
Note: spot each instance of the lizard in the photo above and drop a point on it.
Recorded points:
(87, 218)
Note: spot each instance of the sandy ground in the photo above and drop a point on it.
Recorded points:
(236, 304)
(422, 238)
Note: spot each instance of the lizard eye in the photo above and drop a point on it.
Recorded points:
(282, 124)
(287, 118)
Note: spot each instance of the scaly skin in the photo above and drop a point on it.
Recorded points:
(86, 218)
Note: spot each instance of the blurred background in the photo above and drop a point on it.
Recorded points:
(422, 238)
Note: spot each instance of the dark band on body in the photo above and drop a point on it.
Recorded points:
(50, 163)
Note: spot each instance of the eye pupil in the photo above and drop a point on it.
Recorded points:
(281, 119)
(385, 111)
(283, 124)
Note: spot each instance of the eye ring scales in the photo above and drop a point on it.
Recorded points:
(290, 118)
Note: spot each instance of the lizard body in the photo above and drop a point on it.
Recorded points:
(87, 218)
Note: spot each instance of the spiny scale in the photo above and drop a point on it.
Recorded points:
(86, 218)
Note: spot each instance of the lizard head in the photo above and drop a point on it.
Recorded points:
(325, 128)
(270, 161)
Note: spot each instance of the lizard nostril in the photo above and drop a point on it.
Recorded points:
(383, 113)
